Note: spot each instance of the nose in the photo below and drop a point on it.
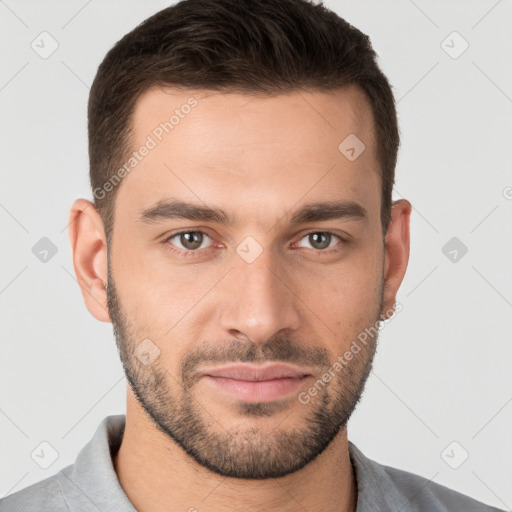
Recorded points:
(259, 300)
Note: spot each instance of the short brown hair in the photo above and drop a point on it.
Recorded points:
(246, 46)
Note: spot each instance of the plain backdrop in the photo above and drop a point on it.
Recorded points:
(441, 387)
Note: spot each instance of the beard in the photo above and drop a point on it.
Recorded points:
(245, 453)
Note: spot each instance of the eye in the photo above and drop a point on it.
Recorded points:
(191, 241)
(321, 240)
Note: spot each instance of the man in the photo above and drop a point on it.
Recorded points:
(244, 244)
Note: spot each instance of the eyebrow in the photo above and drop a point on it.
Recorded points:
(313, 212)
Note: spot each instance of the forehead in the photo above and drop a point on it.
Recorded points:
(211, 146)
(326, 113)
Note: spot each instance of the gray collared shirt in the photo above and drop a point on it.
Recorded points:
(91, 484)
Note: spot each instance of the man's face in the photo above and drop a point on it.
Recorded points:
(197, 295)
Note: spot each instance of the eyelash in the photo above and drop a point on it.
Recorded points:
(188, 253)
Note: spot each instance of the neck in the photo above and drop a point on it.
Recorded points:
(157, 474)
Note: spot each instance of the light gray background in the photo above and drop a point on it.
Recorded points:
(442, 372)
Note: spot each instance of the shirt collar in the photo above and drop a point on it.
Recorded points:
(91, 484)
(375, 489)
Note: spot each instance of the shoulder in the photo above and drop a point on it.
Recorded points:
(386, 488)
(42, 496)
(422, 494)
(84, 485)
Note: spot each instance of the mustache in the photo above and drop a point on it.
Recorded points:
(282, 350)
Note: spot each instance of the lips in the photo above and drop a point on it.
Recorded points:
(256, 373)
(256, 383)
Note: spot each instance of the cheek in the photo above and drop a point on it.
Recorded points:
(349, 285)
(161, 301)
(148, 295)
(348, 305)
(345, 297)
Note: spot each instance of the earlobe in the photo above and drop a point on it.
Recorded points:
(89, 246)
(396, 251)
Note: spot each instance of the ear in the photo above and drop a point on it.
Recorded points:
(396, 252)
(89, 246)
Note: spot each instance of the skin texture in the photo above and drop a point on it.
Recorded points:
(258, 159)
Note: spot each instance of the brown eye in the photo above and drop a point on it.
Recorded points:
(321, 240)
(189, 240)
